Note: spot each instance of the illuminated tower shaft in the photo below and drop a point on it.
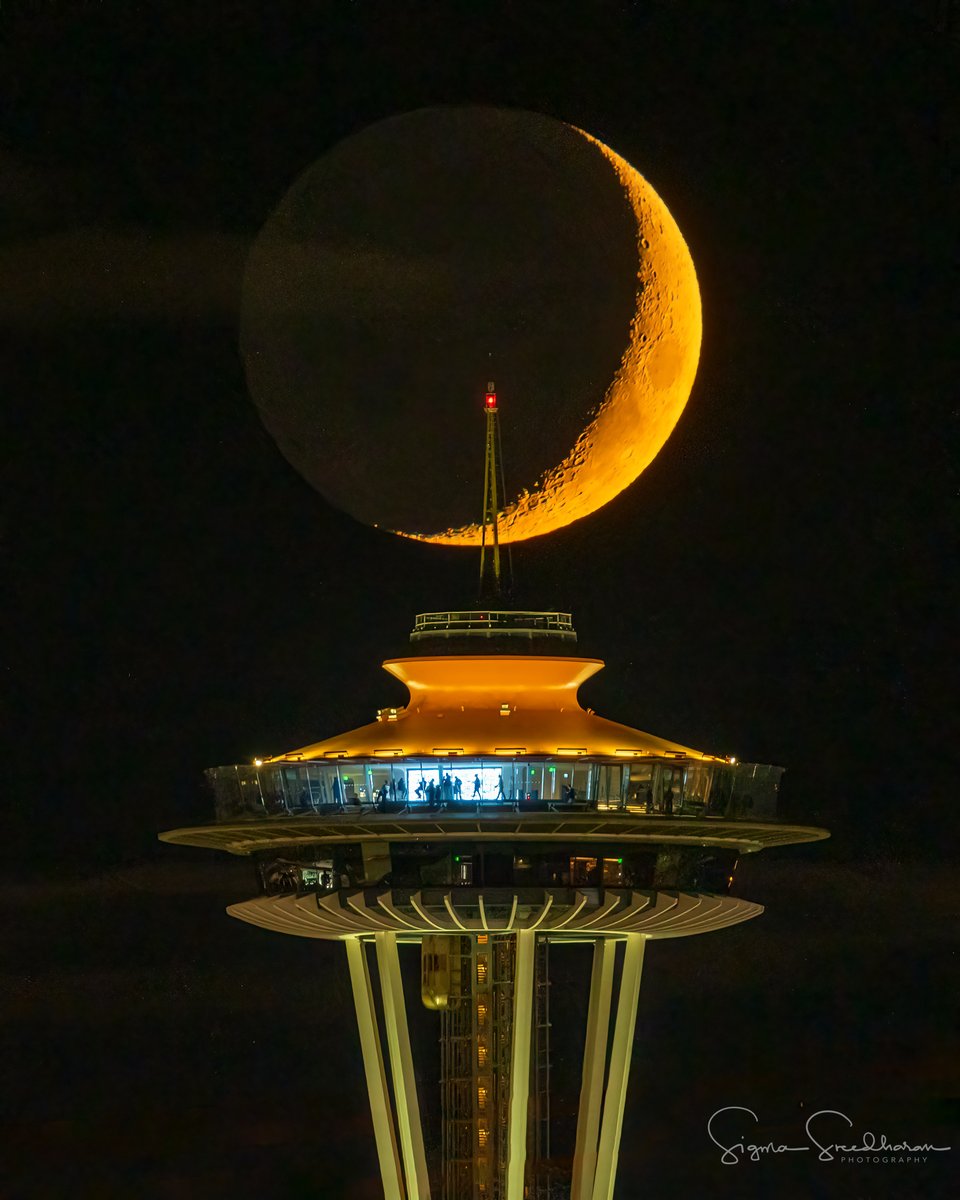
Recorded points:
(492, 498)
(494, 1145)
(470, 979)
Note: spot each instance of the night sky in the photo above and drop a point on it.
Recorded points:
(778, 585)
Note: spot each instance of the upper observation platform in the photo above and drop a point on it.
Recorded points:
(494, 742)
(487, 631)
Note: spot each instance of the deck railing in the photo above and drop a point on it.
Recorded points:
(494, 623)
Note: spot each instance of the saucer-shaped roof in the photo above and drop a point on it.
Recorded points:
(475, 705)
(557, 912)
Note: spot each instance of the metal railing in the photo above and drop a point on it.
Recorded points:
(494, 622)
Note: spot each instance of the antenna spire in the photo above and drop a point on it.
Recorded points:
(492, 475)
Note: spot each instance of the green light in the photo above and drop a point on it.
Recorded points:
(553, 770)
(456, 858)
(619, 860)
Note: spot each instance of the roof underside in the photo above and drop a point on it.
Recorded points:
(248, 837)
(557, 913)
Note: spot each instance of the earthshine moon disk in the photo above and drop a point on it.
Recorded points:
(441, 248)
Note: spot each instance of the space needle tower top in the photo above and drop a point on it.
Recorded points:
(487, 824)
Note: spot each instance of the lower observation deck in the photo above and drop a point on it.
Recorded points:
(252, 835)
(562, 914)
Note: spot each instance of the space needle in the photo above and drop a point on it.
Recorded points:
(489, 823)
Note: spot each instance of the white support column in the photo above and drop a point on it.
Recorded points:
(380, 1110)
(520, 1061)
(594, 1067)
(615, 1099)
(401, 1068)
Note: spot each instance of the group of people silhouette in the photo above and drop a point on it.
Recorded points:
(667, 801)
(434, 793)
(394, 791)
(449, 790)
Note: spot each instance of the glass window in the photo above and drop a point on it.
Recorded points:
(745, 791)
(552, 781)
(561, 777)
(314, 786)
(755, 791)
(583, 872)
(352, 784)
(639, 787)
(610, 785)
(696, 788)
(227, 794)
(580, 781)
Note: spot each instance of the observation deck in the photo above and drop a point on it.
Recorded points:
(484, 631)
(494, 743)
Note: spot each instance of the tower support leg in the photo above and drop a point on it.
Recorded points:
(520, 1062)
(373, 1067)
(401, 1068)
(620, 1054)
(594, 1067)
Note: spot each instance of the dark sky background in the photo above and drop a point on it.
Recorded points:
(777, 585)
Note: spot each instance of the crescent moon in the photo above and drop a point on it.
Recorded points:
(646, 396)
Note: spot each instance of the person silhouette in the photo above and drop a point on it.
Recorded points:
(457, 788)
(476, 787)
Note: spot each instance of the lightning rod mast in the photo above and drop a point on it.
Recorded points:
(490, 577)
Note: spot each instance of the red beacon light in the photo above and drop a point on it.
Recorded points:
(490, 399)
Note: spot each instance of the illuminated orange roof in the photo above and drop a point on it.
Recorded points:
(489, 705)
